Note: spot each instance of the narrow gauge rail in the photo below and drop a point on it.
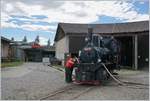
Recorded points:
(74, 91)
(71, 92)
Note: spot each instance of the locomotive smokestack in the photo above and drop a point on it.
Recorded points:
(90, 31)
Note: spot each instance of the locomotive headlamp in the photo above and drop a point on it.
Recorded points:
(101, 37)
(99, 60)
(112, 37)
(86, 39)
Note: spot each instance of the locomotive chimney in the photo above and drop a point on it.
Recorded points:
(90, 31)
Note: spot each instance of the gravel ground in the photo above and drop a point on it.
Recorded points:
(110, 90)
(114, 92)
(34, 80)
(30, 81)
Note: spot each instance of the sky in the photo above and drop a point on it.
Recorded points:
(30, 18)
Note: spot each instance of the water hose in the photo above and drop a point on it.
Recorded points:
(121, 82)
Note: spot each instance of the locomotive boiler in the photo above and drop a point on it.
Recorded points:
(98, 51)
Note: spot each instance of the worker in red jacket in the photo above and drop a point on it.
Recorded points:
(69, 68)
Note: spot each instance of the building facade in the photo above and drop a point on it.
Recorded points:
(32, 52)
(133, 36)
(5, 48)
(25, 51)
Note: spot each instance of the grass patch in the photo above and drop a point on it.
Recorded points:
(11, 64)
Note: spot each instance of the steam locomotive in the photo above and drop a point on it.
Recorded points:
(97, 51)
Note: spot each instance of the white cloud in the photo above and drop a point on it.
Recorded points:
(9, 7)
(29, 9)
(8, 25)
(141, 2)
(27, 25)
(139, 17)
(43, 40)
(4, 17)
(69, 11)
(35, 27)
(4, 23)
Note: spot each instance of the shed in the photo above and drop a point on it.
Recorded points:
(134, 37)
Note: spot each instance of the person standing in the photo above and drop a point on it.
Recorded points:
(69, 68)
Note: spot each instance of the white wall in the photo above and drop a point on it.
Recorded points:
(62, 47)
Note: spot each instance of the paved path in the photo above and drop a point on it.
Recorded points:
(30, 81)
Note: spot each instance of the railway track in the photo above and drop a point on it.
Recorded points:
(74, 91)
(71, 92)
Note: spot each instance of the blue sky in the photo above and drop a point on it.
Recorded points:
(30, 18)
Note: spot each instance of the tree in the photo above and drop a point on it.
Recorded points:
(24, 39)
(12, 38)
(37, 40)
(48, 43)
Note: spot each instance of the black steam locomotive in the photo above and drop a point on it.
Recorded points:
(97, 51)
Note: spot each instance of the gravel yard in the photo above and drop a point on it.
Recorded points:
(30, 81)
(115, 92)
(34, 80)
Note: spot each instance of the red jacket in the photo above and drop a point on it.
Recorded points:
(69, 63)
